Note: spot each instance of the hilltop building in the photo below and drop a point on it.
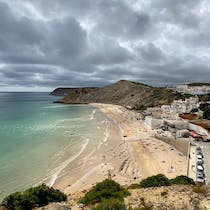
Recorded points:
(194, 90)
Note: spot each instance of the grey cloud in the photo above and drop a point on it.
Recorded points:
(115, 18)
(177, 12)
(64, 38)
(150, 53)
(18, 30)
(108, 52)
(89, 42)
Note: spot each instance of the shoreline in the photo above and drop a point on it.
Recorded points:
(128, 155)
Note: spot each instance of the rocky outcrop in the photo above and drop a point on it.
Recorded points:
(174, 197)
(125, 93)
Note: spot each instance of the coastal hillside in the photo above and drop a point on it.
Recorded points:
(153, 193)
(198, 84)
(65, 91)
(125, 93)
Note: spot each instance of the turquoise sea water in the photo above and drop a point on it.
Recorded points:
(39, 138)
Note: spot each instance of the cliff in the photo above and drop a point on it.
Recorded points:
(125, 93)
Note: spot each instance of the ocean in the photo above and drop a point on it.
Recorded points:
(39, 138)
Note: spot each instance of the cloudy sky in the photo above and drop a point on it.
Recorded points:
(49, 43)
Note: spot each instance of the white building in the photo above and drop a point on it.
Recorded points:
(174, 110)
(194, 90)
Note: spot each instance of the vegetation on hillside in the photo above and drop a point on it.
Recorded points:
(111, 204)
(206, 114)
(199, 84)
(126, 93)
(204, 98)
(106, 190)
(182, 180)
(109, 195)
(33, 197)
(106, 195)
(161, 180)
(155, 181)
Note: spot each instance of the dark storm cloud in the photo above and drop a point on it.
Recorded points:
(51, 43)
(150, 52)
(115, 18)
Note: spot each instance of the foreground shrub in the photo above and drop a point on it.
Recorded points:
(108, 189)
(35, 196)
(110, 205)
(182, 180)
(206, 114)
(155, 181)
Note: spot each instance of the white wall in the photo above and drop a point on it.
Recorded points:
(198, 129)
(153, 123)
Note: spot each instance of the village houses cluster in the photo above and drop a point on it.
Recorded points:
(174, 110)
(194, 90)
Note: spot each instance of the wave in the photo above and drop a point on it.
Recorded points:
(59, 169)
(92, 114)
(70, 120)
(64, 106)
(106, 132)
(56, 106)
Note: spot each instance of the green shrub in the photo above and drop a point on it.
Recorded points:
(182, 180)
(35, 196)
(155, 181)
(108, 189)
(110, 205)
(206, 114)
(134, 186)
(194, 110)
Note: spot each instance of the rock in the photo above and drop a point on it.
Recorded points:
(3, 207)
(55, 206)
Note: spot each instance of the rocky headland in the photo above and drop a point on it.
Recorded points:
(129, 94)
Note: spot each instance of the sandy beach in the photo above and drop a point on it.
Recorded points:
(128, 155)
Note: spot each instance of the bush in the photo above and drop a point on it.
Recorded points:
(108, 189)
(110, 205)
(134, 186)
(206, 114)
(182, 180)
(35, 196)
(155, 181)
(194, 110)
